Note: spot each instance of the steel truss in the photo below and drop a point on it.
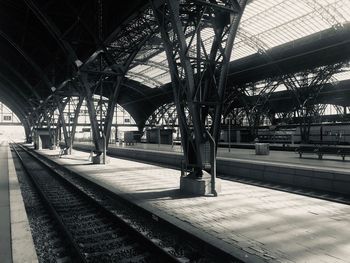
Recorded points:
(104, 73)
(69, 105)
(198, 70)
(305, 88)
(165, 116)
(257, 110)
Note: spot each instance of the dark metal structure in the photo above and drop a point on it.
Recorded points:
(53, 51)
(198, 72)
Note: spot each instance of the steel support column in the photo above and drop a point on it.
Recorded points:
(96, 133)
(112, 102)
(27, 130)
(61, 107)
(198, 72)
(76, 117)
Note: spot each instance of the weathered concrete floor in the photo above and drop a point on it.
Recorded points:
(269, 224)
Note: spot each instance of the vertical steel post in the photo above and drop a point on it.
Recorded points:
(69, 128)
(61, 106)
(229, 134)
(92, 113)
(76, 118)
(198, 73)
(112, 102)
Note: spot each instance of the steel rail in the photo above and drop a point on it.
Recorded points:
(161, 254)
(73, 247)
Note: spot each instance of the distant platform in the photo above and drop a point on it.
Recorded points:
(240, 151)
(252, 223)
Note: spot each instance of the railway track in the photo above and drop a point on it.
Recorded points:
(103, 227)
(93, 232)
(50, 245)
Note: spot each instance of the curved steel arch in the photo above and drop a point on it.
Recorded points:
(18, 92)
(11, 100)
(36, 67)
(20, 78)
(53, 30)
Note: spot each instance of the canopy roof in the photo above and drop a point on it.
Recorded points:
(40, 39)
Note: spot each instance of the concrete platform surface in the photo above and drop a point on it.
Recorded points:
(310, 160)
(23, 249)
(16, 242)
(283, 168)
(249, 221)
(5, 218)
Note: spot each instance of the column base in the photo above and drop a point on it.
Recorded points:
(199, 186)
(53, 147)
(98, 159)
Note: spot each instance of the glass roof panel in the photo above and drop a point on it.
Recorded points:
(344, 75)
(155, 72)
(140, 68)
(264, 25)
(165, 78)
(159, 57)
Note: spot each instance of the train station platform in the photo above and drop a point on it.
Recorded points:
(329, 175)
(16, 243)
(252, 223)
(248, 153)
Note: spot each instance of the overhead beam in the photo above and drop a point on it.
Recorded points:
(53, 30)
(41, 74)
(20, 78)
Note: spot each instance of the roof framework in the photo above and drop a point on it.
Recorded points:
(264, 25)
(45, 43)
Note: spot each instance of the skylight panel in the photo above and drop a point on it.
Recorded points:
(264, 25)
(139, 68)
(165, 78)
(273, 17)
(134, 78)
(242, 50)
(257, 7)
(280, 87)
(343, 10)
(342, 76)
(159, 57)
(155, 72)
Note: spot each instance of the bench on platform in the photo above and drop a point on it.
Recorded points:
(329, 150)
(343, 152)
(306, 149)
(321, 150)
